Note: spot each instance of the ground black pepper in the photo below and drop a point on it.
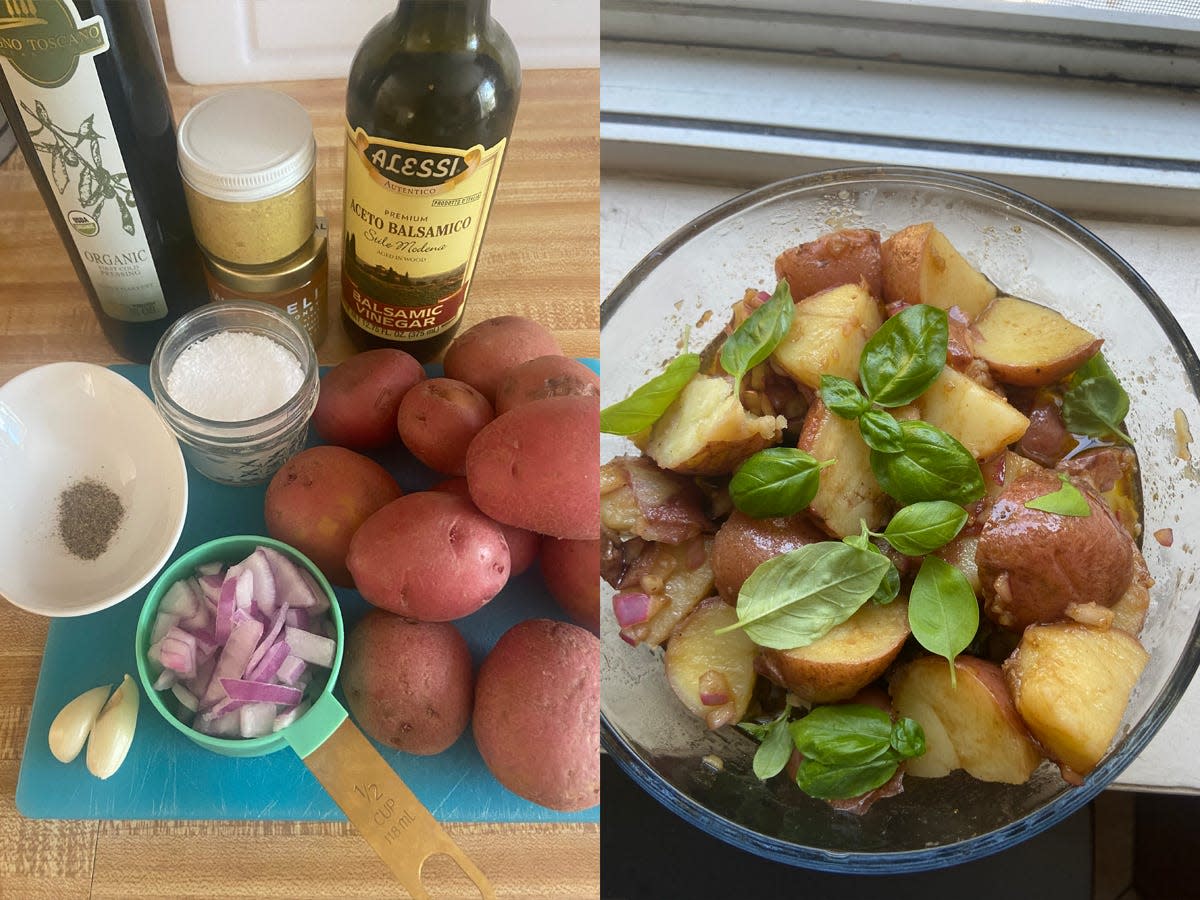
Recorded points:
(89, 514)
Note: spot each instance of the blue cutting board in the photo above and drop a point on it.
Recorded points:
(166, 776)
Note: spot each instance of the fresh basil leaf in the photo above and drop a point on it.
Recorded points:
(848, 734)
(1095, 404)
(842, 397)
(1068, 500)
(755, 730)
(643, 407)
(924, 527)
(880, 431)
(844, 782)
(775, 750)
(932, 466)
(908, 738)
(889, 588)
(942, 610)
(780, 481)
(905, 355)
(757, 337)
(795, 598)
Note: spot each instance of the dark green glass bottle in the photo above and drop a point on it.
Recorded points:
(430, 105)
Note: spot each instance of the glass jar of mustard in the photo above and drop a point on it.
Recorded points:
(297, 285)
(247, 158)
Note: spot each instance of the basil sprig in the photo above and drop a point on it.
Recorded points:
(905, 355)
(1095, 404)
(881, 432)
(757, 337)
(797, 597)
(1068, 500)
(924, 527)
(645, 406)
(842, 396)
(942, 610)
(933, 465)
(779, 481)
(775, 745)
(850, 749)
(889, 587)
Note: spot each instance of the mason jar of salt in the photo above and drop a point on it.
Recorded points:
(237, 383)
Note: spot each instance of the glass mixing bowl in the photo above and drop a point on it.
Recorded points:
(1029, 250)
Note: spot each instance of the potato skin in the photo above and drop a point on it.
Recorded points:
(438, 419)
(483, 353)
(571, 570)
(1033, 565)
(522, 545)
(545, 376)
(359, 398)
(743, 543)
(318, 500)
(537, 713)
(429, 556)
(409, 684)
(538, 467)
(842, 257)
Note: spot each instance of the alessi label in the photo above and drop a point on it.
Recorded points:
(414, 223)
(47, 57)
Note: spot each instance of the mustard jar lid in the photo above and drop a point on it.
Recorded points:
(245, 145)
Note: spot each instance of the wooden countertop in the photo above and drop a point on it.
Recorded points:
(541, 259)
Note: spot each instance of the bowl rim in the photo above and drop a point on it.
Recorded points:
(174, 463)
(211, 551)
(1133, 743)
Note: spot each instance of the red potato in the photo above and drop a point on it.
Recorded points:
(359, 398)
(437, 421)
(429, 556)
(483, 353)
(410, 685)
(318, 500)
(546, 376)
(522, 545)
(537, 713)
(538, 467)
(571, 570)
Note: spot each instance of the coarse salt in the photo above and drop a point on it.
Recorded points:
(233, 376)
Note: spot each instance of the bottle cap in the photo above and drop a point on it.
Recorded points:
(245, 145)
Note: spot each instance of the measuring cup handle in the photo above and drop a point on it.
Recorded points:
(312, 729)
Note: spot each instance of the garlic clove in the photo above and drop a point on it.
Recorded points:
(74, 722)
(113, 731)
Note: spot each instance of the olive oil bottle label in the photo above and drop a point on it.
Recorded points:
(47, 56)
(414, 223)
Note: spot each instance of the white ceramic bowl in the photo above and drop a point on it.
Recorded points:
(69, 421)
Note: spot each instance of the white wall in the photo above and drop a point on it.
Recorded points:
(225, 41)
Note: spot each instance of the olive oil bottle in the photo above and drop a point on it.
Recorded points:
(82, 84)
(430, 104)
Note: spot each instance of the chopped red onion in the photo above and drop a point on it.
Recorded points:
(258, 692)
(185, 697)
(267, 642)
(218, 726)
(179, 600)
(714, 688)
(232, 662)
(321, 599)
(631, 608)
(165, 679)
(291, 669)
(265, 598)
(271, 661)
(310, 647)
(210, 568)
(225, 607)
(210, 586)
(163, 623)
(290, 587)
(297, 618)
(256, 719)
(287, 717)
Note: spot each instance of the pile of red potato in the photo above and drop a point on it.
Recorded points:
(515, 427)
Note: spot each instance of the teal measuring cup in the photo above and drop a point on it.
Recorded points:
(373, 797)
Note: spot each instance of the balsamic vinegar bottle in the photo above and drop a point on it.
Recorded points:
(430, 104)
(82, 84)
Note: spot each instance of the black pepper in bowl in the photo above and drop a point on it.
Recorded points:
(89, 514)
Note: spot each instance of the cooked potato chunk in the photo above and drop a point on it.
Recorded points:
(982, 421)
(1071, 684)
(828, 334)
(677, 577)
(712, 674)
(743, 544)
(1028, 344)
(921, 266)
(707, 432)
(844, 661)
(973, 726)
(848, 491)
(842, 257)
